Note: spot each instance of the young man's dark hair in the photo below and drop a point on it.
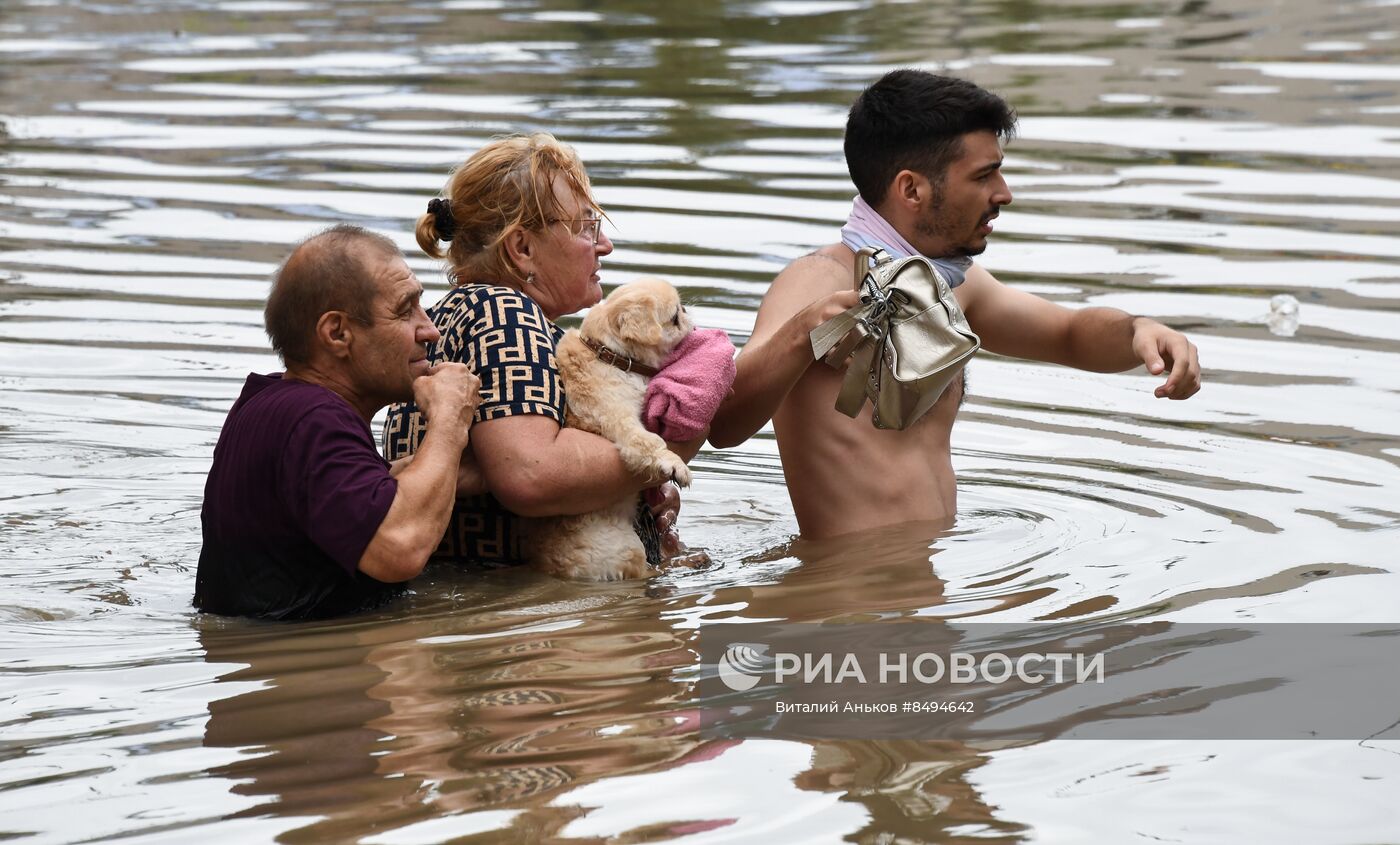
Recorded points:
(915, 120)
(325, 272)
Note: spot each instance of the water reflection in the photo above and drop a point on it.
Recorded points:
(389, 722)
(545, 692)
(1186, 161)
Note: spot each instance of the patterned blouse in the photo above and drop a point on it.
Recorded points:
(507, 341)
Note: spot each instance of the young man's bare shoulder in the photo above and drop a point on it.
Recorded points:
(804, 281)
(820, 271)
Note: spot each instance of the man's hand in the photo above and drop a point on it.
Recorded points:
(688, 449)
(780, 349)
(827, 307)
(417, 518)
(448, 396)
(1161, 348)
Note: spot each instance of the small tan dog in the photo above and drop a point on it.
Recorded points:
(604, 366)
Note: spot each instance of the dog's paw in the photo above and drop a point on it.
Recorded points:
(673, 468)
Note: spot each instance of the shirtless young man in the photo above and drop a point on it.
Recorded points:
(925, 153)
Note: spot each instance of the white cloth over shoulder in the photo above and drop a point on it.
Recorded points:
(866, 228)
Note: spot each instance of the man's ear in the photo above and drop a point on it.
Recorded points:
(911, 190)
(334, 333)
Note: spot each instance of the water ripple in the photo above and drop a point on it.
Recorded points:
(1183, 163)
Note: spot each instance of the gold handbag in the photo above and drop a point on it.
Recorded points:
(907, 339)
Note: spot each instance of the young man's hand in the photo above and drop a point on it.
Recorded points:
(1163, 349)
(828, 306)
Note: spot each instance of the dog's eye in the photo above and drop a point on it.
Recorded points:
(676, 320)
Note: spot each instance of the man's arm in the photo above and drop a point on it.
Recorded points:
(427, 487)
(1106, 340)
(807, 293)
(535, 468)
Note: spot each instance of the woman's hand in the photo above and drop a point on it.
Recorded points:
(470, 479)
(665, 505)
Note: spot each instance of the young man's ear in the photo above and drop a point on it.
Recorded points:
(334, 332)
(910, 189)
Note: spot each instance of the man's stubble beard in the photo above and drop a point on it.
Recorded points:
(935, 227)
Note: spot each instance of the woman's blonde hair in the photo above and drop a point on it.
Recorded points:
(506, 185)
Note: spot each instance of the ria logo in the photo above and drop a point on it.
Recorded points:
(741, 666)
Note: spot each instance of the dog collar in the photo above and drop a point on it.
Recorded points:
(622, 362)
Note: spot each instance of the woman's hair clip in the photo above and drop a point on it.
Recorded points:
(443, 223)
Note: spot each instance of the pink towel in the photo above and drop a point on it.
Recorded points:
(682, 398)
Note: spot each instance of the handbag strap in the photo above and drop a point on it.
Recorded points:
(836, 356)
(853, 391)
(835, 340)
(830, 334)
(864, 259)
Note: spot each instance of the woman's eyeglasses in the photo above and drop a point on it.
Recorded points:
(590, 227)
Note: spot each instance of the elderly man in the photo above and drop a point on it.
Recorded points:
(924, 152)
(302, 517)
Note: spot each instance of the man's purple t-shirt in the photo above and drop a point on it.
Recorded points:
(295, 494)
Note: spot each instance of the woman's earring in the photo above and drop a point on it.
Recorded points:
(529, 278)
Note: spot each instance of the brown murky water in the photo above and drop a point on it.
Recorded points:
(1188, 161)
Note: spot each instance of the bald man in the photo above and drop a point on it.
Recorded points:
(302, 518)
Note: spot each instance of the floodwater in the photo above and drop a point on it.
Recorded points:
(1185, 160)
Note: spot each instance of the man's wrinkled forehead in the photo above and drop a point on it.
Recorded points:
(395, 282)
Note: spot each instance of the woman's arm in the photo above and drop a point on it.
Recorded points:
(532, 465)
(535, 468)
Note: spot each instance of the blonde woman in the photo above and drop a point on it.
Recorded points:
(523, 241)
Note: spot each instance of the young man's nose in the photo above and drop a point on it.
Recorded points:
(1002, 194)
